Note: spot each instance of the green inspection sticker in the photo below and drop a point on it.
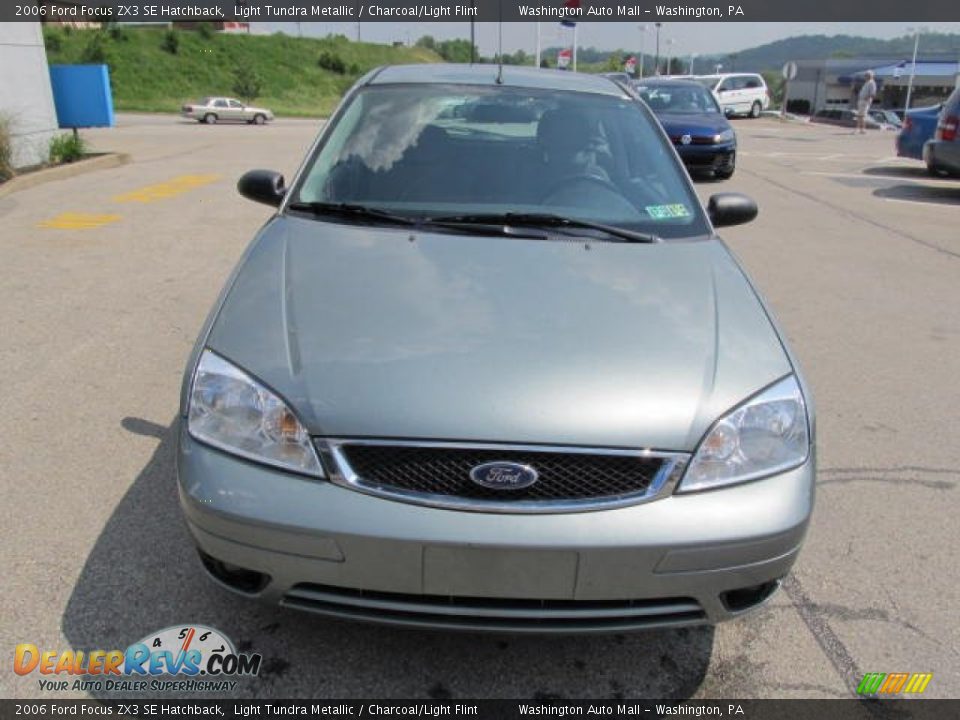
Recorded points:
(667, 212)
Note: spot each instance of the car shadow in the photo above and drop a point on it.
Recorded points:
(931, 194)
(143, 575)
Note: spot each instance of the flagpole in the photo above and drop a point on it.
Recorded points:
(538, 46)
(574, 48)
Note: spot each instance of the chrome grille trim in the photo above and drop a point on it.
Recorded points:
(340, 473)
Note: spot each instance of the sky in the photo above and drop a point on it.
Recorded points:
(702, 38)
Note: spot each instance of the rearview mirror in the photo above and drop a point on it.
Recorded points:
(263, 186)
(727, 209)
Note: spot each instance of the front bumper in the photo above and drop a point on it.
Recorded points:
(686, 559)
(942, 155)
(707, 157)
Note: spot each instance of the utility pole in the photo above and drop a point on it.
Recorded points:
(656, 62)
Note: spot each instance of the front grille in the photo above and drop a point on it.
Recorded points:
(497, 614)
(563, 476)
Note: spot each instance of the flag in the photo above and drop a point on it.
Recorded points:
(573, 5)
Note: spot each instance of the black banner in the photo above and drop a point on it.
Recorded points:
(915, 11)
(853, 709)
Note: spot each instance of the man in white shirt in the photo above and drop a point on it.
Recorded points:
(864, 100)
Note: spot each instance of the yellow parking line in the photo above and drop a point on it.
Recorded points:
(168, 189)
(78, 221)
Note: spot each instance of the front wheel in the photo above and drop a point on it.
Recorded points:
(259, 119)
(210, 119)
(726, 171)
(755, 110)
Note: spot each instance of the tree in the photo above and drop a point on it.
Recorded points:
(246, 82)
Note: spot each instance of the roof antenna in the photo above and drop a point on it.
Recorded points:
(500, 42)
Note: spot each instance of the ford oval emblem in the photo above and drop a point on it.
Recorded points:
(686, 139)
(504, 475)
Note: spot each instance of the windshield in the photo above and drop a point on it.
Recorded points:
(679, 99)
(430, 151)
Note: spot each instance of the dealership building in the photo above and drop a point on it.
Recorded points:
(834, 83)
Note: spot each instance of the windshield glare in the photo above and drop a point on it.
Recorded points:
(679, 99)
(434, 150)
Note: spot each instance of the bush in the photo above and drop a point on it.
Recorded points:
(67, 148)
(205, 30)
(246, 82)
(333, 63)
(118, 33)
(95, 51)
(6, 149)
(53, 40)
(798, 106)
(171, 42)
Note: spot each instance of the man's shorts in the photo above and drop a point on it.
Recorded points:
(863, 107)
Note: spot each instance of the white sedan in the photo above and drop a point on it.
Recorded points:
(214, 109)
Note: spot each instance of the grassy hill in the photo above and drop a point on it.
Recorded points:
(152, 72)
(772, 56)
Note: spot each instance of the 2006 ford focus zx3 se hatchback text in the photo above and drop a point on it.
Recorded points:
(489, 367)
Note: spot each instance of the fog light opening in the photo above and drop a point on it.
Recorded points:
(748, 597)
(234, 576)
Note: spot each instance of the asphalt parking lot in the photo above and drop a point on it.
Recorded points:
(107, 278)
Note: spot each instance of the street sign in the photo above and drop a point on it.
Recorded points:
(564, 57)
(630, 66)
(789, 70)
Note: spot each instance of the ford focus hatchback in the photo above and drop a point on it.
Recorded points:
(489, 367)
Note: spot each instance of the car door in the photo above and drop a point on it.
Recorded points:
(221, 108)
(726, 93)
(237, 110)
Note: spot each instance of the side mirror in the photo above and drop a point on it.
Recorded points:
(727, 209)
(262, 186)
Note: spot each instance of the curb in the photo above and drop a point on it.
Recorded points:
(62, 172)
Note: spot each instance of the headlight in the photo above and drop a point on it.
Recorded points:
(726, 136)
(766, 435)
(232, 411)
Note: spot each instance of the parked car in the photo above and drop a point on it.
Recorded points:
(211, 110)
(887, 118)
(738, 93)
(495, 376)
(942, 153)
(844, 117)
(696, 125)
(918, 127)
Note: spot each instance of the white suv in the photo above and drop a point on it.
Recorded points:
(738, 93)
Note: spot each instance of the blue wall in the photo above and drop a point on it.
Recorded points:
(82, 95)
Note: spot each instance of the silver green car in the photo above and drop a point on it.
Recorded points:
(489, 367)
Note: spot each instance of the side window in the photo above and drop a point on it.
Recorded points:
(725, 85)
(753, 82)
(235, 104)
(220, 103)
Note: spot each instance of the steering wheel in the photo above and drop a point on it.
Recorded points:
(567, 183)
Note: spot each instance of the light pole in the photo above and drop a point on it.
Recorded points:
(643, 35)
(913, 65)
(693, 56)
(669, 54)
(656, 62)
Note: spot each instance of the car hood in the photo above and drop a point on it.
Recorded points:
(693, 123)
(377, 332)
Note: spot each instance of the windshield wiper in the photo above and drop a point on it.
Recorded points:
(545, 220)
(365, 212)
(351, 210)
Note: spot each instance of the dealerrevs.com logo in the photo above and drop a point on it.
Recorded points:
(202, 658)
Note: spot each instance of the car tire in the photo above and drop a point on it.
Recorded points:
(259, 119)
(755, 110)
(726, 172)
(210, 119)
